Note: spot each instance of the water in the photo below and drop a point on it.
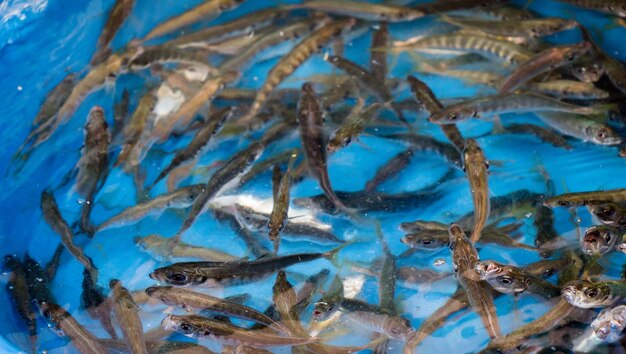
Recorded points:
(42, 41)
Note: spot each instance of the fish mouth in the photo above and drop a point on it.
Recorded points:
(153, 276)
(168, 323)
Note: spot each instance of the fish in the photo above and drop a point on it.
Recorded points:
(17, 288)
(493, 48)
(586, 294)
(281, 184)
(544, 225)
(476, 167)
(352, 127)
(545, 61)
(204, 11)
(230, 273)
(161, 247)
(456, 5)
(181, 198)
(507, 103)
(284, 299)
(391, 169)
(420, 142)
(378, 60)
(582, 127)
(119, 13)
(569, 89)
(298, 55)
(83, 340)
(266, 164)
(311, 126)
(608, 213)
(38, 282)
(583, 198)
(222, 179)
(545, 134)
(127, 315)
(52, 216)
(93, 300)
(424, 95)
(612, 7)
(362, 11)
(120, 115)
(193, 301)
(610, 323)
(211, 127)
(530, 28)
(464, 259)
(588, 71)
(600, 239)
(133, 130)
(200, 327)
(512, 280)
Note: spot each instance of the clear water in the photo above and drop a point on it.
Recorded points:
(42, 40)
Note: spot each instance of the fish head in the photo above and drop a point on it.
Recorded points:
(162, 293)
(599, 240)
(425, 240)
(178, 275)
(180, 324)
(396, 327)
(617, 9)
(588, 72)
(54, 315)
(452, 115)
(584, 294)
(575, 51)
(488, 269)
(602, 135)
(607, 212)
(602, 330)
(323, 310)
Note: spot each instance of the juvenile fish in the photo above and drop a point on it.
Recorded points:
(569, 89)
(546, 135)
(127, 315)
(290, 62)
(476, 167)
(362, 11)
(133, 131)
(231, 273)
(162, 248)
(222, 179)
(512, 280)
(54, 219)
(610, 323)
(95, 303)
(200, 327)
(583, 198)
(543, 62)
(193, 301)
(281, 184)
(391, 169)
(530, 28)
(588, 71)
(601, 239)
(119, 13)
(199, 141)
(586, 294)
(608, 213)
(464, 259)
(352, 127)
(17, 288)
(378, 60)
(507, 103)
(611, 7)
(581, 127)
(83, 340)
(204, 11)
(179, 199)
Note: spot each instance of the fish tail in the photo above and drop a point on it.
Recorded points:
(333, 254)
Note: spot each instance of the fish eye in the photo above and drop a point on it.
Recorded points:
(506, 280)
(602, 134)
(178, 277)
(592, 293)
(474, 114)
(347, 141)
(185, 327)
(426, 241)
(453, 116)
(570, 57)
(607, 237)
(607, 211)
(401, 14)
(281, 226)
(548, 273)
(563, 203)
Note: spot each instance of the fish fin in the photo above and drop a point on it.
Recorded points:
(408, 253)
(332, 254)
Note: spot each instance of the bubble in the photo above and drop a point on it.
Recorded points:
(439, 262)
(528, 215)
(20, 88)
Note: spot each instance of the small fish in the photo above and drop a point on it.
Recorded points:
(588, 71)
(313, 142)
(569, 89)
(392, 168)
(601, 239)
(512, 280)
(281, 184)
(162, 248)
(530, 28)
(264, 165)
(582, 127)
(38, 282)
(211, 127)
(232, 273)
(437, 7)
(424, 95)
(193, 301)
(120, 116)
(119, 13)
(546, 135)
(544, 225)
(352, 127)
(507, 103)
(608, 213)
(362, 11)
(82, 339)
(612, 7)
(205, 11)
(133, 131)
(610, 323)
(222, 179)
(378, 60)
(180, 198)
(54, 219)
(17, 288)
(547, 60)
(200, 327)
(583, 198)
(586, 294)
(464, 259)
(127, 315)
(284, 299)
(476, 167)
(290, 62)
(93, 300)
